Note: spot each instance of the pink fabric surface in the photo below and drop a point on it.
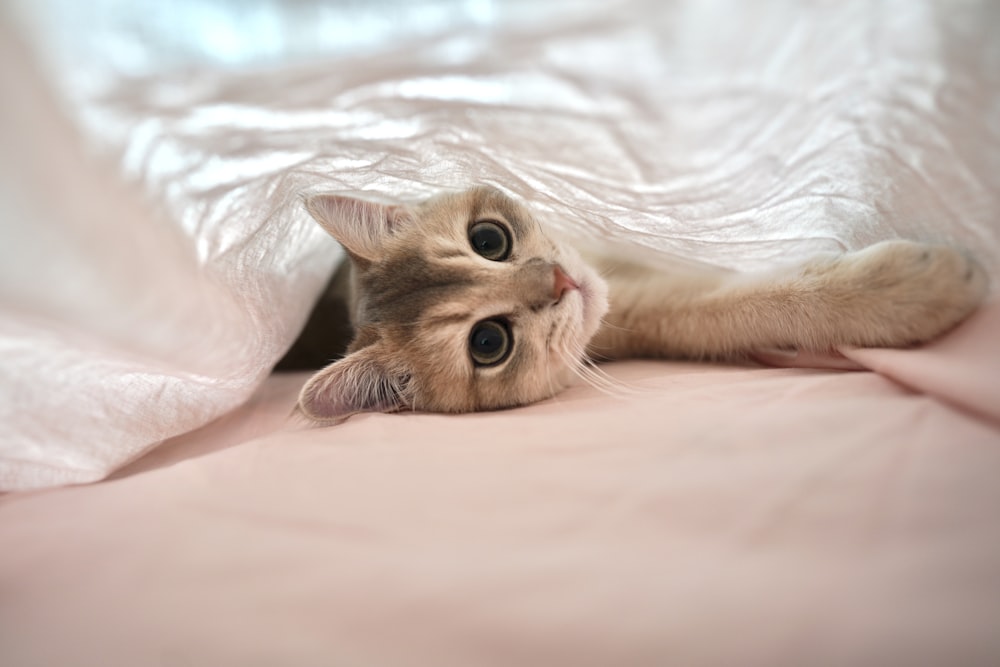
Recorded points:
(962, 368)
(715, 516)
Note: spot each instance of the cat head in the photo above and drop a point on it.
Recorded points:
(463, 304)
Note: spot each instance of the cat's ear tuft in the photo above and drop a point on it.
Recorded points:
(358, 225)
(360, 382)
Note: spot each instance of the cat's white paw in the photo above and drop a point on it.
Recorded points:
(902, 293)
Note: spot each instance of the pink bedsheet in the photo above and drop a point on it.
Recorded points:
(714, 516)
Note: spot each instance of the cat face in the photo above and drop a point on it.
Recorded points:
(463, 304)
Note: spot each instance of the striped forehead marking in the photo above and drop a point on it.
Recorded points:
(401, 290)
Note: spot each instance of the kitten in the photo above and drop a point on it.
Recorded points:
(464, 303)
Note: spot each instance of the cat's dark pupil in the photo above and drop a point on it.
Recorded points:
(490, 240)
(489, 342)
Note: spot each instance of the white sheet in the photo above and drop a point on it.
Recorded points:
(149, 289)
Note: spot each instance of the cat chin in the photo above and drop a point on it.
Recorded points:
(594, 296)
(593, 291)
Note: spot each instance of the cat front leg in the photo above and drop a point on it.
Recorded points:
(894, 294)
(899, 293)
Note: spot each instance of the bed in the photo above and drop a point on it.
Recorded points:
(163, 503)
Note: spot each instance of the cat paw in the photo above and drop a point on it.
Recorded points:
(908, 293)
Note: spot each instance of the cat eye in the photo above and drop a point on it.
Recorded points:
(489, 342)
(490, 240)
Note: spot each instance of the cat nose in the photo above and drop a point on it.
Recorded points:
(562, 283)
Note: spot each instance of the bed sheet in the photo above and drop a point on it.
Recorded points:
(714, 516)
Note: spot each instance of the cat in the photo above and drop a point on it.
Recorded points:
(463, 303)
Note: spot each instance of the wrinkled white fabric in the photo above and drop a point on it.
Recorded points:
(155, 260)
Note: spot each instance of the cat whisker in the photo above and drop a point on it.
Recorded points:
(591, 375)
(607, 271)
(612, 385)
(609, 325)
(597, 371)
(602, 383)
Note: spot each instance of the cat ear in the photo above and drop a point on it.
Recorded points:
(360, 226)
(360, 382)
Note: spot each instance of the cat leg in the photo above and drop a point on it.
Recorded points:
(892, 294)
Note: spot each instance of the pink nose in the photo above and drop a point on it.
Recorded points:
(562, 283)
